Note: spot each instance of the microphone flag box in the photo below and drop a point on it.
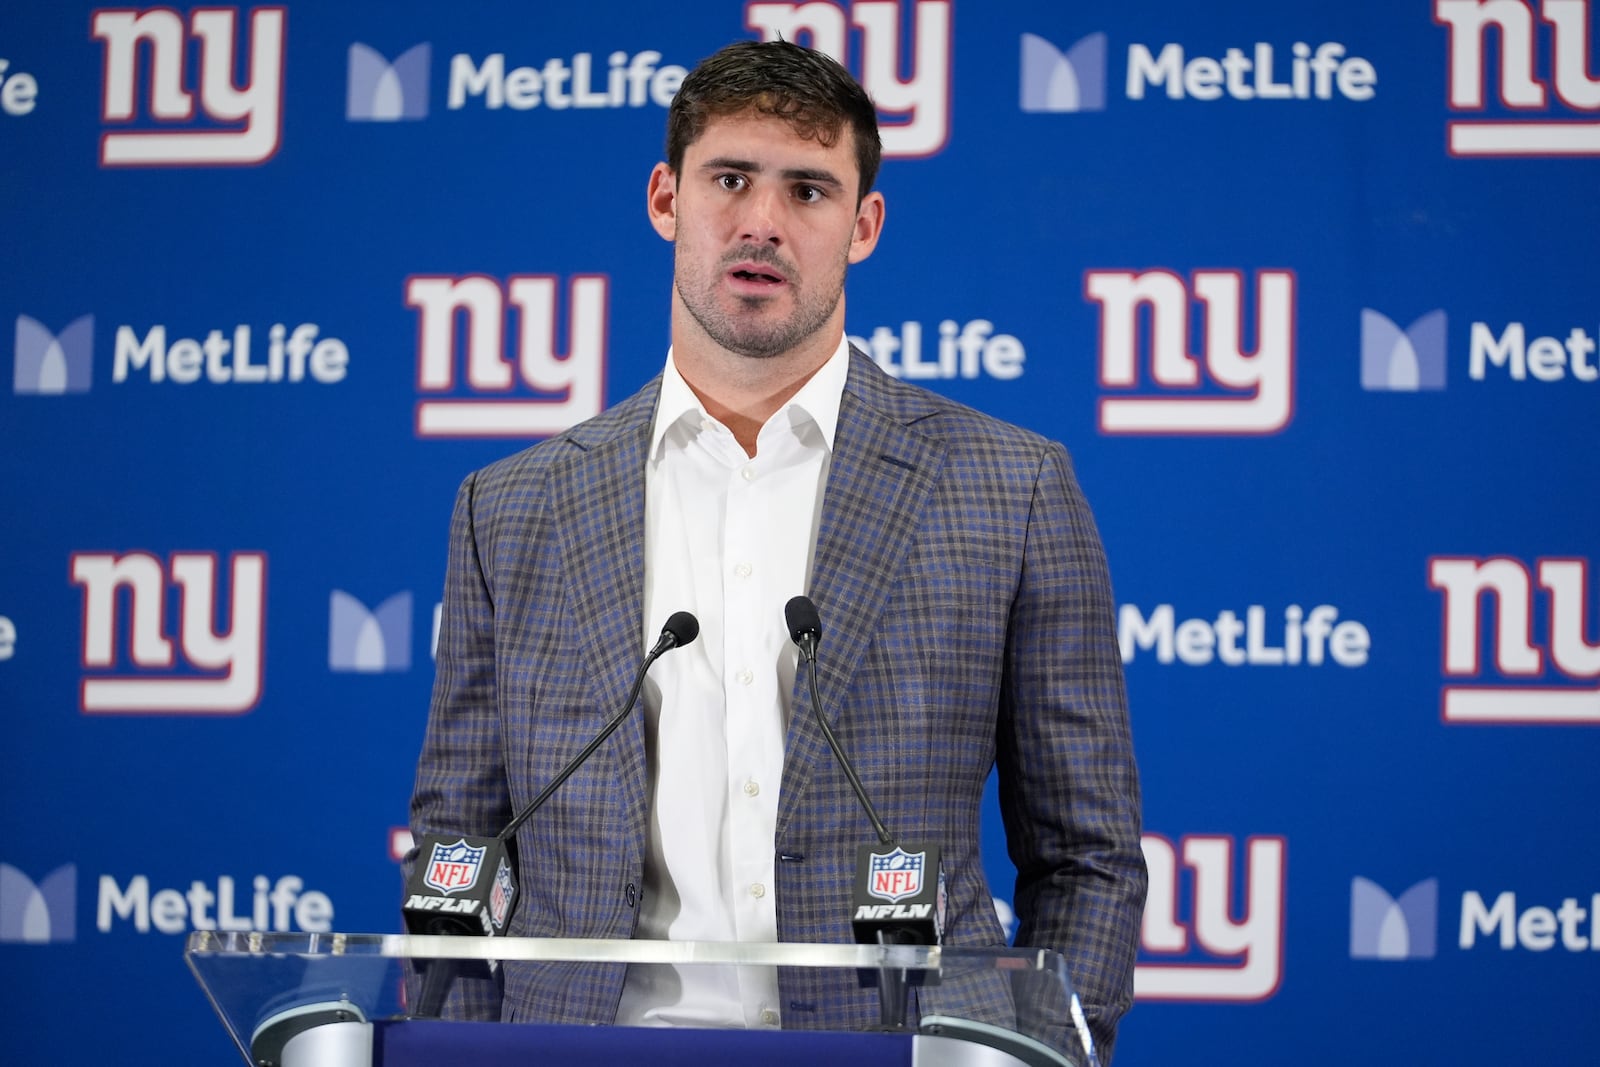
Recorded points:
(900, 892)
(460, 885)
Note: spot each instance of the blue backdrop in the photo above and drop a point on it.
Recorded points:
(1308, 290)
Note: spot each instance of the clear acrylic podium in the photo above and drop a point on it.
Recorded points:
(338, 1000)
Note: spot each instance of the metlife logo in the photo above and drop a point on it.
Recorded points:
(1064, 81)
(53, 364)
(39, 912)
(381, 91)
(1403, 361)
(19, 91)
(130, 663)
(967, 350)
(1195, 943)
(203, 114)
(384, 90)
(1415, 358)
(1292, 637)
(1407, 928)
(1155, 381)
(367, 640)
(1547, 100)
(1515, 640)
(227, 357)
(1383, 927)
(45, 912)
(1078, 76)
(900, 50)
(1513, 352)
(275, 905)
(583, 81)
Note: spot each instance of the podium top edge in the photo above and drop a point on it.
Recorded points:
(215, 943)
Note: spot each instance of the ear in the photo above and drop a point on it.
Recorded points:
(869, 224)
(661, 201)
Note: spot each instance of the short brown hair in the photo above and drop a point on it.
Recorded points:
(811, 92)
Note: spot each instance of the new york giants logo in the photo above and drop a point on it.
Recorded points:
(913, 112)
(243, 115)
(1227, 960)
(221, 672)
(1524, 640)
(541, 392)
(1223, 389)
(1568, 54)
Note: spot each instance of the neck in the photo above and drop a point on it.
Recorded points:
(743, 392)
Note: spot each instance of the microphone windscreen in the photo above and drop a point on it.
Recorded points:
(801, 615)
(683, 627)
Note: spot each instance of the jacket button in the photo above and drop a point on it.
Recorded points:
(631, 894)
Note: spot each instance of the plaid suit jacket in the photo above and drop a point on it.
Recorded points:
(968, 620)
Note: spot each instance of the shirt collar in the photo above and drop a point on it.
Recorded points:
(818, 399)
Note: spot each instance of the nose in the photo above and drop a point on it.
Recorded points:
(763, 215)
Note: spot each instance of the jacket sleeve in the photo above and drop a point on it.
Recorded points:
(1069, 789)
(461, 775)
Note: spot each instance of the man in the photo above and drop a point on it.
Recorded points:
(955, 565)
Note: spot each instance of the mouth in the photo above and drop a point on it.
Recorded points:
(757, 276)
(750, 276)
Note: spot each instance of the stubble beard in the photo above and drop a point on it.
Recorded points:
(742, 334)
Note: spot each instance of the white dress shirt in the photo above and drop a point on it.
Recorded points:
(729, 537)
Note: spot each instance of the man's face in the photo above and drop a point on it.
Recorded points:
(764, 223)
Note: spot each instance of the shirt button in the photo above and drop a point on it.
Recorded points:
(758, 890)
(749, 474)
(751, 789)
(769, 1017)
(742, 570)
(745, 677)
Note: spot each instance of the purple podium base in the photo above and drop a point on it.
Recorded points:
(429, 1043)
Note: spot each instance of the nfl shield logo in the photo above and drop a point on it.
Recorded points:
(453, 868)
(500, 895)
(896, 875)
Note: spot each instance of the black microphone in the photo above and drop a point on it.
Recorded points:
(468, 885)
(899, 889)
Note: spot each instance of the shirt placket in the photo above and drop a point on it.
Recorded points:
(753, 700)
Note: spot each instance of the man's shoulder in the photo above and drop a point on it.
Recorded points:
(607, 429)
(954, 425)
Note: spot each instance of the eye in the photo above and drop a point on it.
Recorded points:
(731, 182)
(808, 194)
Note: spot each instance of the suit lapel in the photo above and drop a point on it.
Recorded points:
(597, 499)
(879, 481)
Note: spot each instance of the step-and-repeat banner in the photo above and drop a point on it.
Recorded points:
(1309, 291)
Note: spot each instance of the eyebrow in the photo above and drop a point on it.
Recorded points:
(799, 174)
